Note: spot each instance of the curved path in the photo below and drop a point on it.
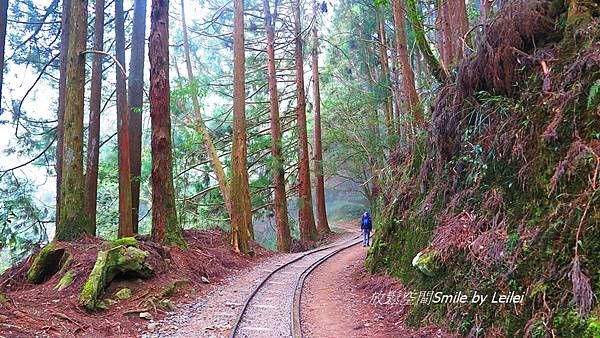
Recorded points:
(330, 306)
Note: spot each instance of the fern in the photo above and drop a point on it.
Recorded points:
(594, 90)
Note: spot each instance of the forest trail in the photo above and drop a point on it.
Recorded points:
(331, 306)
(214, 314)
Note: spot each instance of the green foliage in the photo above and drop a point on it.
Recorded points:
(21, 220)
(570, 324)
(593, 95)
(380, 3)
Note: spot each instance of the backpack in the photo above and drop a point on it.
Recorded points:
(365, 221)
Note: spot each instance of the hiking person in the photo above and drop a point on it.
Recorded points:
(366, 226)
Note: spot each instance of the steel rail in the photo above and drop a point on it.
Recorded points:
(240, 316)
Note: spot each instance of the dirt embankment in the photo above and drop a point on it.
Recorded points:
(28, 309)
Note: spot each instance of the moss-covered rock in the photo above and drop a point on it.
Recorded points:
(167, 304)
(426, 262)
(125, 241)
(173, 287)
(124, 293)
(3, 300)
(47, 263)
(66, 280)
(129, 261)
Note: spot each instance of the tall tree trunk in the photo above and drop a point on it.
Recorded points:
(419, 82)
(397, 93)
(408, 76)
(385, 74)
(322, 223)
(93, 145)
(452, 24)
(460, 18)
(136, 100)
(438, 72)
(125, 213)
(62, 94)
(241, 221)
(73, 223)
(306, 218)
(3, 22)
(485, 7)
(200, 125)
(284, 239)
(165, 227)
(442, 25)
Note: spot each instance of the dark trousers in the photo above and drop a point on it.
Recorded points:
(366, 236)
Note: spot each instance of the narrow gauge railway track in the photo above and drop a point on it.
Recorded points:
(273, 307)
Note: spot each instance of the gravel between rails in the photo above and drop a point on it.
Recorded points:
(268, 314)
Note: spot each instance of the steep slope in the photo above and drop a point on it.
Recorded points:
(501, 194)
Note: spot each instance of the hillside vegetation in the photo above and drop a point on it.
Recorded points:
(500, 194)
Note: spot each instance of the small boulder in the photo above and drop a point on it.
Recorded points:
(151, 326)
(146, 315)
(425, 261)
(124, 293)
(204, 280)
(173, 287)
(167, 304)
(3, 300)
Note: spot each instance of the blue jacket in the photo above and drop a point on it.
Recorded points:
(365, 223)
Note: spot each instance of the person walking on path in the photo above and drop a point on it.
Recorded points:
(366, 226)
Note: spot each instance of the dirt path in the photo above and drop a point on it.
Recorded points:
(337, 301)
(330, 305)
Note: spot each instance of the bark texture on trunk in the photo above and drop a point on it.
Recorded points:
(199, 123)
(3, 22)
(93, 144)
(284, 239)
(165, 226)
(414, 16)
(409, 90)
(306, 217)
(62, 94)
(73, 221)
(485, 8)
(241, 220)
(385, 74)
(125, 213)
(322, 223)
(135, 95)
(452, 25)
